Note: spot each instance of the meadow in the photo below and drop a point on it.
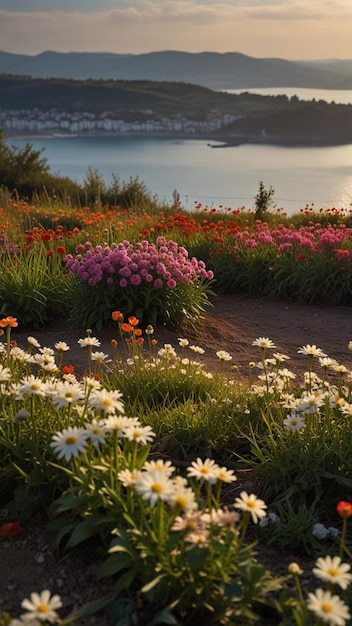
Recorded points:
(139, 456)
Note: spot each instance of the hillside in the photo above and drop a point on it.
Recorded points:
(73, 106)
(230, 70)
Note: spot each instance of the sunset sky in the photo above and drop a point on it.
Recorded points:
(289, 29)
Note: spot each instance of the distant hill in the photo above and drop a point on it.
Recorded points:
(230, 70)
(175, 107)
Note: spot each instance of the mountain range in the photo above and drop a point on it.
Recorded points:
(230, 70)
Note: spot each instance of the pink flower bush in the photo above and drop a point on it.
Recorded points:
(163, 263)
(155, 281)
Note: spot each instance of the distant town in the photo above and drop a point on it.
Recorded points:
(34, 121)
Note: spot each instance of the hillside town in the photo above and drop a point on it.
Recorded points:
(58, 122)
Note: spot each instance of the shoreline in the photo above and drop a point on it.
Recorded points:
(222, 142)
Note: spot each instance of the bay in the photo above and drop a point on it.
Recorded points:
(339, 96)
(300, 176)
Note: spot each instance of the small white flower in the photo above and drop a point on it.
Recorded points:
(183, 342)
(331, 569)
(263, 342)
(311, 350)
(42, 607)
(61, 346)
(294, 422)
(106, 401)
(96, 431)
(251, 504)
(204, 470)
(89, 341)
(140, 434)
(330, 609)
(223, 355)
(197, 349)
(32, 341)
(70, 442)
(128, 477)
(153, 486)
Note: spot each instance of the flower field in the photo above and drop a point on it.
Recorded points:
(138, 456)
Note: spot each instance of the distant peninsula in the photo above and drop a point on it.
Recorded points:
(40, 107)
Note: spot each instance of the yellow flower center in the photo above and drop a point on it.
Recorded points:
(157, 487)
(326, 607)
(294, 422)
(95, 431)
(181, 501)
(107, 402)
(190, 525)
(204, 470)
(70, 440)
(42, 608)
(250, 504)
(333, 571)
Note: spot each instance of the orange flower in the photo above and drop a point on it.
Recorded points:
(344, 509)
(139, 341)
(68, 369)
(8, 321)
(114, 343)
(117, 316)
(154, 342)
(127, 328)
(10, 529)
(133, 320)
(137, 332)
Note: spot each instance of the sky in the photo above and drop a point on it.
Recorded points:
(287, 29)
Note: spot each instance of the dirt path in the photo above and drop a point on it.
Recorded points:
(232, 324)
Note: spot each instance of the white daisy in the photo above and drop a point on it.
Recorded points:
(204, 470)
(128, 477)
(223, 355)
(159, 464)
(332, 570)
(225, 475)
(30, 386)
(61, 346)
(294, 422)
(70, 442)
(33, 342)
(89, 342)
(183, 342)
(154, 486)
(66, 394)
(263, 342)
(311, 350)
(182, 496)
(330, 609)
(96, 431)
(42, 607)
(106, 401)
(251, 504)
(140, 434)
(119, 423)
(197, 349)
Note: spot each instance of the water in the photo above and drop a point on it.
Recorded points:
(339, 96)
(223, 176)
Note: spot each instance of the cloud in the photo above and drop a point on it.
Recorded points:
(286, 28)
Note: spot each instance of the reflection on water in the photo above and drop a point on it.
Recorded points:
(229, 176)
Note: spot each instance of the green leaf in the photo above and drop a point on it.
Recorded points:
(152, 583)
(164, 617)
(83, 531)
(114, 564)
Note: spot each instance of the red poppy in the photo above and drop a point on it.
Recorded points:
(10, 529)
(344, 509)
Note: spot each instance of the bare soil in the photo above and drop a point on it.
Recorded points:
(232, 324)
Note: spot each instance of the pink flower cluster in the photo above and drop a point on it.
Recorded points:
(160, 264)
(313, 238)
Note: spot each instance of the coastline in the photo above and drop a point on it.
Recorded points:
(222, 141)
